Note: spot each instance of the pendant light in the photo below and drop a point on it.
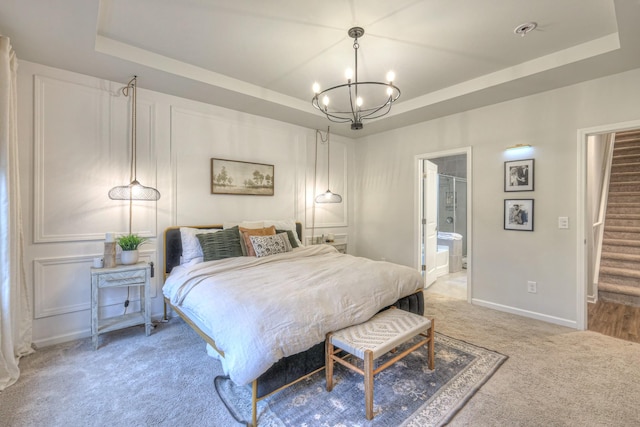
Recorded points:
(135, 190)
(328, 196)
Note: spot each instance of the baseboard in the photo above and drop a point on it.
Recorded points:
(78, 335)
(526, 313)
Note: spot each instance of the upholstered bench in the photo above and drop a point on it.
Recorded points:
(367, 341)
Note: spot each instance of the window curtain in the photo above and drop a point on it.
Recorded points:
(15, 307)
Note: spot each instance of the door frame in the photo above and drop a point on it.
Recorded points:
(581, 227)
(418, 207)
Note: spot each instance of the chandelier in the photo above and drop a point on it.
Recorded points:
(356, 101)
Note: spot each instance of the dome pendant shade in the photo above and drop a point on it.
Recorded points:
(329, 197)
(134, 191)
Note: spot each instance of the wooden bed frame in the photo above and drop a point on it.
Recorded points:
(288, 370)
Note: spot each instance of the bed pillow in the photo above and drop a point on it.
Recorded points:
(291, 235)
(270, 245)
(287, 224)
(191, 248)
(220, 245)
(246, 233)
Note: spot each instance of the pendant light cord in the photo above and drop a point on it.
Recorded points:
(132, 172)
(125, 90)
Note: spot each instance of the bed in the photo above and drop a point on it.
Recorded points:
(210, 293)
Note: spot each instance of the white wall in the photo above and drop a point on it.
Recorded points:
(74, 134)
(501, 261)
(75, 145)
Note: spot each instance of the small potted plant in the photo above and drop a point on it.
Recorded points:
(129, 244)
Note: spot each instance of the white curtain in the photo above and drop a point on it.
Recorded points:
(15, 307)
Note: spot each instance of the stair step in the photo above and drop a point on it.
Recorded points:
(618, 289)
(622, 209)
(631, 216)
(620, 260)
(618, 256)
(624, 205)
(630, 300)
(626, 149)
(625, 167)
(632, 176)
(621, 246)
(624, 197)
(620, 272)
(622, 229)
(612, 222)
(621, 242)
(618, 159)
(627, 133)
(621, 186)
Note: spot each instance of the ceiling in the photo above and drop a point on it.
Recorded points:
(262, 57)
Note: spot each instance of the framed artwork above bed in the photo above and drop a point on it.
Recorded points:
(244, 178)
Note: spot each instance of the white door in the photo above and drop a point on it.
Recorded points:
(430, 221)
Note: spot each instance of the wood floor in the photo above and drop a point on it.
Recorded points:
(614, 319)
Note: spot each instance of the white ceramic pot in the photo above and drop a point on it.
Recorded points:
(129, 257)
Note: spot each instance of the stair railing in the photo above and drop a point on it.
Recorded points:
(598, 226)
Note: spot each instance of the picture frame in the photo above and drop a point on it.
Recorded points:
(518, 214)
(519, 175)
(241, 178)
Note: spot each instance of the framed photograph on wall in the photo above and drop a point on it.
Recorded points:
(518, 214)
(518, 175)
(235, 177)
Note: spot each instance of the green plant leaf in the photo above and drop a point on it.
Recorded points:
(130, 242)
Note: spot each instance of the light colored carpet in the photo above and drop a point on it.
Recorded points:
(555, 376)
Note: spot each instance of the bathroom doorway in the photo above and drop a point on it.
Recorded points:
(452, 259)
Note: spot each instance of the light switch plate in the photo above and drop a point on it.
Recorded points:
(563, 222)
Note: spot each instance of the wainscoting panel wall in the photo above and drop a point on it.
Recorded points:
(82, 148)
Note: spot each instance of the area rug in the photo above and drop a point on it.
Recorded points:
(406, 394)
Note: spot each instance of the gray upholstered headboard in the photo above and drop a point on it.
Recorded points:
(173, 244)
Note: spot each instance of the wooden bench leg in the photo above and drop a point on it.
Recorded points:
(328, 362)
(368, 383)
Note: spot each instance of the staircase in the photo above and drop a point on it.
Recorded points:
(619, 279)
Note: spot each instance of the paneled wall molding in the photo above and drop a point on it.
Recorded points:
(59, 275)
(81, 123)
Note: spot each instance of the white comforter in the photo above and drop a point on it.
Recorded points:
(259, 310)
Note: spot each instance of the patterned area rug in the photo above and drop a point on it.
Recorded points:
(405, 394)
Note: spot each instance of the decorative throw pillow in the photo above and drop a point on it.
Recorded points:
(191, 248)
(270, 245)
(220, 245)
(248, 232)
(287, 224)
(291, 236)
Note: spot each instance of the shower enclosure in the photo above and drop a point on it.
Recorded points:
(452, 207)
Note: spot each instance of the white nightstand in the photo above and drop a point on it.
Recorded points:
(120, 276)
(341, 247)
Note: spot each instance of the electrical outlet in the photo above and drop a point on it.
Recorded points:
(532, 287)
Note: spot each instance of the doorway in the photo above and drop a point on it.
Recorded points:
(591, 224)
(446, 263)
